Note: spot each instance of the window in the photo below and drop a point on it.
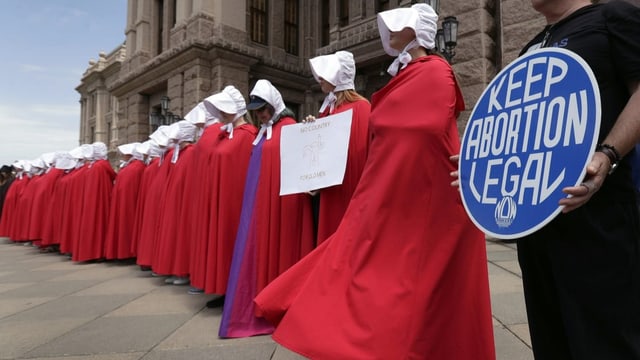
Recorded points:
(325, 32)
(382, 5)
(291, 26)
(344, 12)
(258, 21)
(109, 135)
(92, 135)
(92, 104)
(159, 34)
(174, 13)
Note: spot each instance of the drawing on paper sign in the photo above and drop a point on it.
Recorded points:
(312, 151)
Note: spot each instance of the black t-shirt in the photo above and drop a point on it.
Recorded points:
(607, 37)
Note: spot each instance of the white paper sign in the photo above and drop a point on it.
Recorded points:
(314, 155)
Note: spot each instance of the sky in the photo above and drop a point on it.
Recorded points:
(45, 47)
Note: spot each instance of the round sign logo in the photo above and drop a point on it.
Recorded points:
(531, 134)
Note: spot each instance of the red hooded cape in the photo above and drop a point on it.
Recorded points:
(334, 200)
(122, 214)
(405, 274)
(153, 202)
(89, 245)
(228, 165)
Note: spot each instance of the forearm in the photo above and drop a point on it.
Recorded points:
(625, 134)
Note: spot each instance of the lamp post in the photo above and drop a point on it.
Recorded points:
(164, 117)
(164, 105)
(447, 37)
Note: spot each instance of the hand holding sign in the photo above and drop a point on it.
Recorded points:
(530, 136)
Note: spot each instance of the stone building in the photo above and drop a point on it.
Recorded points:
(187, 50)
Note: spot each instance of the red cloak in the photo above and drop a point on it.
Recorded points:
(42, 206)
(23, 210)
(9, 222)
(124, 198)
(154, 200)
(405, 274)
(199, 211)
(334, 200)
(229, 164)
(89, 245)
(147, 177)
(171, 252)
(71, 211)
(274, 233)
(53, 221)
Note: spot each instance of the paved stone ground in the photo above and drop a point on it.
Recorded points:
(52, 308)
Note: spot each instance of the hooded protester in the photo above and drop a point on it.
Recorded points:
(157, 174)
(67, 195)
(274, 231)
(336, 75)
(392, 283)
(29, 200)
(201, 182)
(227, 162)
(96, 201)
(171, 253)
(75, 183)
(124, 199)
(43, 198)
(60, 166)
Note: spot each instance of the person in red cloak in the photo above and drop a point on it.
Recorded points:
(336, 74)
(201, 184)
(227, 163)
(96, 201)
(154, 197)
(274, 231)
(124, 198)
(64, 163)
(172, 251)
(405, 274)
(34, 170)
(152, 153)
(41, 210)
(71, 211)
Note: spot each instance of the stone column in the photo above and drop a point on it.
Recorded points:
(101, 108)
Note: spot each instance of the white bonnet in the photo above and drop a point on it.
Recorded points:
(160, 137)
(99, 151)
(143, 148)
(155, 150)
(263, 91)
(419, 17)
(84, 151)
(128, 149)
(197, 115)
(48, 158)
(38, 163)
(65, 161)
(182, 131)
(339, 69)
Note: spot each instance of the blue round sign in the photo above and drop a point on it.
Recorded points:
(531, 134)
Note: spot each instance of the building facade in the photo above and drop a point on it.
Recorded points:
(187, 50)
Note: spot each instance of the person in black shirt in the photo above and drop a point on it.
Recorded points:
(6, 178)
(581, 272)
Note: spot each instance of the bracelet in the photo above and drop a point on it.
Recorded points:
(613, 155)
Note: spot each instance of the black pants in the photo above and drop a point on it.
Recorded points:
(581, 277)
